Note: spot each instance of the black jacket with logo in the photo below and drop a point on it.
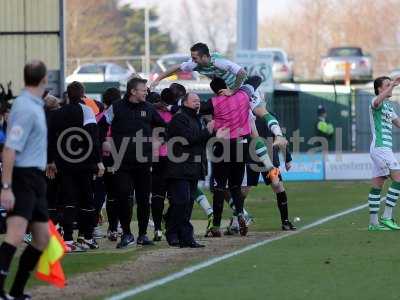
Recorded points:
(134, 124)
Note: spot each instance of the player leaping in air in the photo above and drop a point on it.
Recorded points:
(214, 65)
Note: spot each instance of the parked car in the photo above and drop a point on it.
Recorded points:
(100, 72)
(395, 73)
(282, 67)
(167, 61)
(334, 63)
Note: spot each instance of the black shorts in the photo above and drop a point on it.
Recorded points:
(229, 174)
(29, 188)
(254, 176)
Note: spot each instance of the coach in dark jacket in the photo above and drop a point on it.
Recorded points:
(186, 147)
(132, 120)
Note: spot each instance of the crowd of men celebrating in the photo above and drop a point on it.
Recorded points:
(64, 161)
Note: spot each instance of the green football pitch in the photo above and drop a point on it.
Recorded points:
(338, 259)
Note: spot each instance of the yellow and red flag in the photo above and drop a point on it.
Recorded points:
(49, 268)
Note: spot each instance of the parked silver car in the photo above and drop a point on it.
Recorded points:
(334, 64)
(282, 67)
(169, 60)
(395, 73)
(100, 72)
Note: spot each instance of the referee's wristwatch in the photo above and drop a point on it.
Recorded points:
(6, 186)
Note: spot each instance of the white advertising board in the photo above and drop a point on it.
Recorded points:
(258, 63)
(348, 166)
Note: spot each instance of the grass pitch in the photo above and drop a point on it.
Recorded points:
(337, 260)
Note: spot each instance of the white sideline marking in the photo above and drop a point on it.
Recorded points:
(215, 260)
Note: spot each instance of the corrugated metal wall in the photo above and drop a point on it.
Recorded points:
(29, 29)
(12, 15)
(12, 59)
(43, 15)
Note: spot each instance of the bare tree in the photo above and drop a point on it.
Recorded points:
(372, 25)
(190, 32)
(212, 22)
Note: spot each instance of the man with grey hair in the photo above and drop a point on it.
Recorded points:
(23, 191)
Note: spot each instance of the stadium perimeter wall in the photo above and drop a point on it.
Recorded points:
(330, 166)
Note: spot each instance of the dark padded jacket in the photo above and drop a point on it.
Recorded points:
(134, 123)
(186, 124)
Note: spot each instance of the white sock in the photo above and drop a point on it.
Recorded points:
(266, 161)
(235, 222)
(373, 219)
(388, 212)
(374, 200)
(205, 205)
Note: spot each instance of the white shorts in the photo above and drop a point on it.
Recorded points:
(383, 161)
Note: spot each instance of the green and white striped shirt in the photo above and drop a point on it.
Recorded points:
(381, 119)
(218, 67)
